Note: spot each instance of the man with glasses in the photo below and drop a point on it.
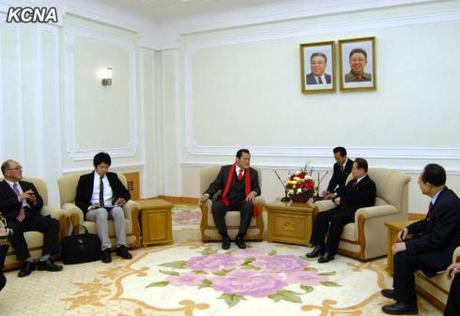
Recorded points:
(21, 206)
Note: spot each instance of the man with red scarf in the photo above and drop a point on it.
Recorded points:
(239, 184)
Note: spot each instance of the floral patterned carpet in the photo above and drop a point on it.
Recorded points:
(192, 278)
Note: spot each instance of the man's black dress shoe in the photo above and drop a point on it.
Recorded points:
(122, 251)
(325, 257)
(106, 257)
(226, 243)
(240, 243)
(316, 252)
(400, 309)
(48, 266)
(389, 293)
(26, 269)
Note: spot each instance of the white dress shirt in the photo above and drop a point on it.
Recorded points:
(108, 194)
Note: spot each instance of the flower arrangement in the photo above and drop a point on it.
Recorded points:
(300, 186)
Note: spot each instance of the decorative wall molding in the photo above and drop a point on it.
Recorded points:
(321, 168)
(275, 12)
(412, 153)
(75, 151)
(194, 44)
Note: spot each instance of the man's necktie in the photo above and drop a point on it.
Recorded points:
(101, 192)
(341, 168)
(430, 207)
(320, 81)
(22, 213)
(354, 183)
(240, 174)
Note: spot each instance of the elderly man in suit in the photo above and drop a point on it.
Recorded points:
(101, 195)
(359, 192)
(431, 248)
(21, 204)
(342, 168)
(240, 186)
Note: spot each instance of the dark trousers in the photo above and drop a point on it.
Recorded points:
(219, 210)
(453, 301)
(47, 225)
(404, 267)
(338, 218)
(3, 251)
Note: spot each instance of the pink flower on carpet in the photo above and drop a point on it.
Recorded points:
(187, 278)
(279, 264)
(305, 277)
(249, 252)
(248, 283)
(213, 262)
(186, 217)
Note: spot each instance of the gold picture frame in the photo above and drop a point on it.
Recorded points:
(357, 64)
(317, 67)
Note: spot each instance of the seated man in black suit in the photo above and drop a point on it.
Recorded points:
(21, 206)
(431, 249)
(100, 195)
(342, 168)
(359, 192)
(240, 186)
(453, 301)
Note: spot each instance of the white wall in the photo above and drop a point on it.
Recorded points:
(54, 112)
(242, 89)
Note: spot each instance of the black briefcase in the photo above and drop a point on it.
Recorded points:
(80, 248)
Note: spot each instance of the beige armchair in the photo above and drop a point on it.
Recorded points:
(365, 239)
(209, 231)
(436, 289)
(68, 189)
(34, 239)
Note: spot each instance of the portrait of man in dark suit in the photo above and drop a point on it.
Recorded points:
(318, 63)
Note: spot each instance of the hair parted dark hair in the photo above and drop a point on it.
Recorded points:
(102, 157)
(240, 152)
(434, 174)
(358, 50)
(318, 54)
(341, 150)
(361, 163)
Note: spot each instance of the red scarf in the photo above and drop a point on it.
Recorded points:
(247, 187)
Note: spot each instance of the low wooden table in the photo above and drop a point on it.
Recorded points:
(290, 222)
(156, 221)
(392, 236)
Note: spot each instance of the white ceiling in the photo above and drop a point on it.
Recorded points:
(167, 10)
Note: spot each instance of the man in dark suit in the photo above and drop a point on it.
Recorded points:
(100, 195)
(453, 301)
(318, 62)
(342, 168)
(240, 186)
(359, 192)
(21, 206)
(431, 249)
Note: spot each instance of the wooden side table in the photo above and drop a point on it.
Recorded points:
(392, 236)
(156, 222)
(290, 222)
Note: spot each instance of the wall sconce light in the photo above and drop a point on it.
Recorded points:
(107, 77)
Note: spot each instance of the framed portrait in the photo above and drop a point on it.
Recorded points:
(357, 64)
(317, 67)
